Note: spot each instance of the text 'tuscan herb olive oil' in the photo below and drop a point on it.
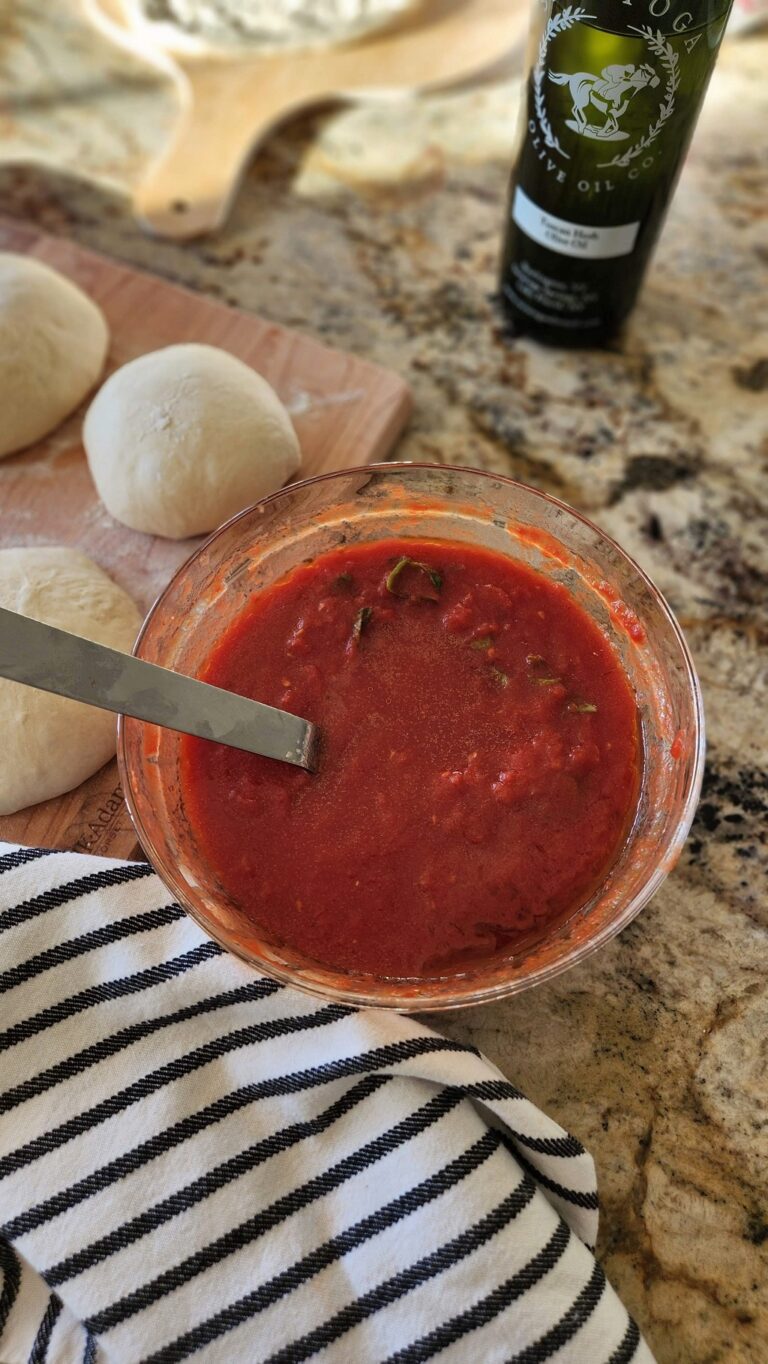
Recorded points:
(613, 91)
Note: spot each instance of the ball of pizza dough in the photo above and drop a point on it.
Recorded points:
(53, 342)
(50, 744)
(182, 438)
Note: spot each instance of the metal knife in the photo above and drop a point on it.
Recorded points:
(54, 660)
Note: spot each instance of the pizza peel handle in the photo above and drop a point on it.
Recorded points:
(230, 103)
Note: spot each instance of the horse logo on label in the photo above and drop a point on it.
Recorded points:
(608, 94)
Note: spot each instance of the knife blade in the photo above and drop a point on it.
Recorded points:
(54, 660)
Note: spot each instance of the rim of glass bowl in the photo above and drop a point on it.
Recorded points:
(453, 998)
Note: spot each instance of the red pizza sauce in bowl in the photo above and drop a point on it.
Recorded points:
(511, 737)
(479, 766)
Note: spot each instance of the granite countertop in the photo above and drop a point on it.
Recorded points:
(377, 229)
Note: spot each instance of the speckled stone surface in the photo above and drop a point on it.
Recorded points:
(379, 232)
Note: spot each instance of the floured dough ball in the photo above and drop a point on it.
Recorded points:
(49, 744)
(181, 439)
(53, 342)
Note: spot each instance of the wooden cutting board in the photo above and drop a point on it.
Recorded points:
(346, 412)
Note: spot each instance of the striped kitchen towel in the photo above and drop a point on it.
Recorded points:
(198, 1162)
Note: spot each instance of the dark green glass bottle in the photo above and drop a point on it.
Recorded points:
(611, 100)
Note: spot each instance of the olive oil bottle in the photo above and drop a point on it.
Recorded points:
(613, 92)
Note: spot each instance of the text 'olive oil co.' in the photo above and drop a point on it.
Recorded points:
(613, 91)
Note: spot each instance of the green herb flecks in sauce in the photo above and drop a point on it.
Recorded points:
(361, 620)
(435, 578)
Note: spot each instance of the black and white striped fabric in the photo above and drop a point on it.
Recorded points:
(198, 1162)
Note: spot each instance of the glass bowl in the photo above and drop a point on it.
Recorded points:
(306, 519)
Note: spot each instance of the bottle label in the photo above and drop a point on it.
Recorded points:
(572, 239)
(612, 85)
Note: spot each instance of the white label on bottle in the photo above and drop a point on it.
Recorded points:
(571, 239)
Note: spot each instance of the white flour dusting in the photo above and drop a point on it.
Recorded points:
(301, 402)
(271, 25)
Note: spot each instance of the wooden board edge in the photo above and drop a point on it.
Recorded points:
(25, 233)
